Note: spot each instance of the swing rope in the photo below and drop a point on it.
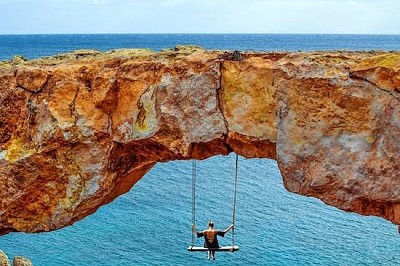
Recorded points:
(193, 197)
(234, 199)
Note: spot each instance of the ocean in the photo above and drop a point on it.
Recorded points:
(150, 225)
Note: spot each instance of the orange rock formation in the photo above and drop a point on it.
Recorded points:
(79, 129)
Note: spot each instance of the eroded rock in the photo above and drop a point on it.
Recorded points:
(22, 261)
(31, 79)
(4, 259)
(80, 129)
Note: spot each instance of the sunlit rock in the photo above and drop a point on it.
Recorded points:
(78, 130)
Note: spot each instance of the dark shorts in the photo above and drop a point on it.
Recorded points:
(211, 245)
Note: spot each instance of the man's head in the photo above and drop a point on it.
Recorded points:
(211, 224)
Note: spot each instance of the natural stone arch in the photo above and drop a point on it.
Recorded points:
(80, 129)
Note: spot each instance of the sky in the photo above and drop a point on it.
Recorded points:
(200, 16)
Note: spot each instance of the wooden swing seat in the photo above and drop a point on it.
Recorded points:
(223, 248)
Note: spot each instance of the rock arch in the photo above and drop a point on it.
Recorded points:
(79, 129)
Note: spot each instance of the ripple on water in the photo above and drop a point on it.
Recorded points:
(151, 224)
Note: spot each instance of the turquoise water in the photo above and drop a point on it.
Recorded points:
(150, 225)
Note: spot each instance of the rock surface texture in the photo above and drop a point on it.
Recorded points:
(17, 261)
(3, 259)
(22, 261)
(79, 129)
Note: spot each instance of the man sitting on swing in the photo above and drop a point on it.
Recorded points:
(210, 237)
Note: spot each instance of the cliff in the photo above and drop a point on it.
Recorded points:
(79, 129)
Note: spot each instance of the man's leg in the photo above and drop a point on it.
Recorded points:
(209, 255)
(213, 254)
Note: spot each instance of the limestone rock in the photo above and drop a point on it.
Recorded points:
(383, 71)
(78, 130)
(22, 261)
(4, 259)
(31, 79)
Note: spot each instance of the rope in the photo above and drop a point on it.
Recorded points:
(234, 199)
(193, 198)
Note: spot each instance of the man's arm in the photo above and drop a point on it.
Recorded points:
(229, 228)
(199, 234)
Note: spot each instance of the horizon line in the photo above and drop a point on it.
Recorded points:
(201, 33)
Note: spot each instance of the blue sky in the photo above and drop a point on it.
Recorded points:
(201, 16)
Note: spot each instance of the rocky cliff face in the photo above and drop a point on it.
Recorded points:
(79, 129)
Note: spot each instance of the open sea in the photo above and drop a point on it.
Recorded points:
(150, 225)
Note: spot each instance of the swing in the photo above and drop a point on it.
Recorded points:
(231, 248)
(224, 248)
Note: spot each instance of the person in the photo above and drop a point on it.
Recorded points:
(210, 237)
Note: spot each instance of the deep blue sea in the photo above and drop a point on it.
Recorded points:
(150, 225)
